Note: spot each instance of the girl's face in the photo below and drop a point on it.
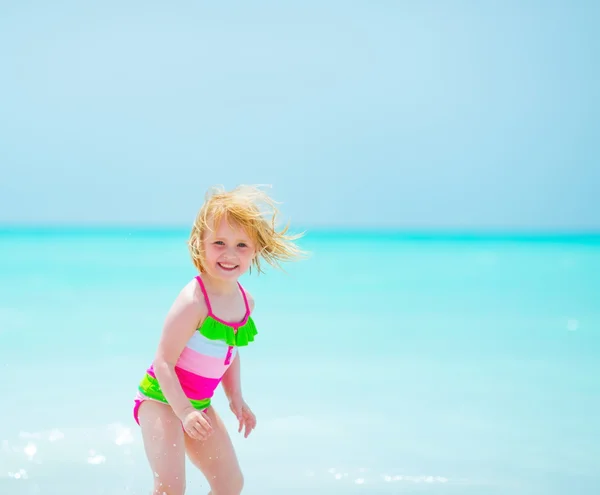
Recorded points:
(228, 251)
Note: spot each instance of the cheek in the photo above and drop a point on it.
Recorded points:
(246, 256)
(210, 253)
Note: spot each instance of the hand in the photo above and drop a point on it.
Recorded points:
(196, 424)
(244, 415)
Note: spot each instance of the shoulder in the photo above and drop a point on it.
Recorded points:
(191, 293)
(190, 302)
(187, 312)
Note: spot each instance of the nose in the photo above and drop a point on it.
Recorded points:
(230, 252)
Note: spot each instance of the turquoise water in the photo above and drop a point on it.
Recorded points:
(385, 363)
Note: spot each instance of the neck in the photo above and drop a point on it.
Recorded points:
(219, 286)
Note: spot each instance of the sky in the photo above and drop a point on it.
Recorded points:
(396, 114)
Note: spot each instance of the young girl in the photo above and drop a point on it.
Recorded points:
(198, 349)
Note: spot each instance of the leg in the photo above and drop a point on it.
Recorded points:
(216, 458)
(165, 447)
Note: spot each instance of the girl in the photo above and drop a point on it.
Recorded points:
(198, 349)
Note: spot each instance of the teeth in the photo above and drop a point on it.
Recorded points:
(227, 265)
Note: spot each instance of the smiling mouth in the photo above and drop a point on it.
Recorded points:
(227, 266)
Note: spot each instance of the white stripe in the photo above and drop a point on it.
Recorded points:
(202, 345)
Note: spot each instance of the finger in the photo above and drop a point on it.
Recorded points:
(207, 427)
(244, 425)
(202, 429)
(203, 423)
(249, 429)
(198, 433)
(251, 420)
(193, 433)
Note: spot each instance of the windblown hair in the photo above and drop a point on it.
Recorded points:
(254, 211)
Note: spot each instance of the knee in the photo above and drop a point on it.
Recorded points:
(231, 485)
(168, 486)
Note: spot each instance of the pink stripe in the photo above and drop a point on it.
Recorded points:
(228, 357)
(195, 386)
(200, 364)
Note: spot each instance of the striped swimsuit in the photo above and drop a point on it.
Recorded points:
(204, 360)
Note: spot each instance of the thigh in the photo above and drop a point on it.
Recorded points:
(164, 445)
(216, 458)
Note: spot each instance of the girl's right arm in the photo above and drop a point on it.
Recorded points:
(182, 320)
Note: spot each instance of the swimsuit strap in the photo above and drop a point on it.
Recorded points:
(206, 300)
(245, 299)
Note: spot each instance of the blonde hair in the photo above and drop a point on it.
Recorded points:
(242, 207)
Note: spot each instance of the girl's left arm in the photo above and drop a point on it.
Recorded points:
(232, 385)
(233, 390)
(232, 382)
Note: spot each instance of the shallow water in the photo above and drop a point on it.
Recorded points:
(384, 364)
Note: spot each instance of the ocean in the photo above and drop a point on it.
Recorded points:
(386, 363)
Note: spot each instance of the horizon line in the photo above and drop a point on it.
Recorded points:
(392, 232)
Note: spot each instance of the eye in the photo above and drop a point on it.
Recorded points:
(242, 244)
(219, 243)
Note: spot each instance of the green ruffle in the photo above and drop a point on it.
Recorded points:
(215, 330)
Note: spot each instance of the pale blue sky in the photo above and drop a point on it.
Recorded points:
(459, 114)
